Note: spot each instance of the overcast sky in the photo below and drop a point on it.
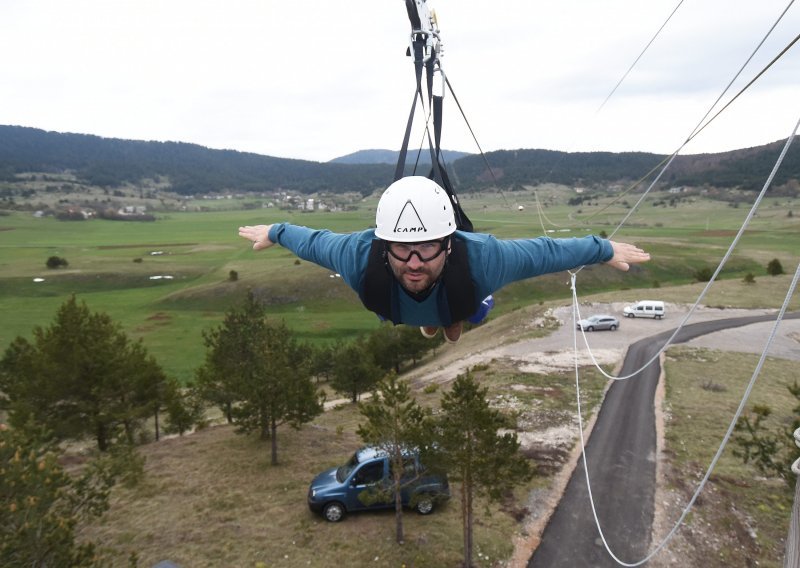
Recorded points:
(317, 79)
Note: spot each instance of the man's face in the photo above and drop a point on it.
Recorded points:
(415, 274)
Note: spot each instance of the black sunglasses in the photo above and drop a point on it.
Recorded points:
(425, 251)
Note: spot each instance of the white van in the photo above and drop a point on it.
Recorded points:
(645, 309)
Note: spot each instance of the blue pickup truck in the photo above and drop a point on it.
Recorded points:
(338, 490)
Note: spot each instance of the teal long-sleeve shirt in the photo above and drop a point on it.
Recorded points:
(493, 262)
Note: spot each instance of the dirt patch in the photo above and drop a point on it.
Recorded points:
(159, 319)
(159, 316)
(716, 531)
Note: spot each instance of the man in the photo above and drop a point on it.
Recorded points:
(415, 268)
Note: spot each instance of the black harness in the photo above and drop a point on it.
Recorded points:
(455, 291)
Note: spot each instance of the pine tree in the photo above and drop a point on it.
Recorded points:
(354, 369)
(473, 453)
(413, 345)
(80, 376)
(185, 408)
(260, 371)
(384, 345)
(395, 425)
(41, 505)
(771, 450)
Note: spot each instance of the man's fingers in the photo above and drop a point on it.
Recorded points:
(259, 235)
(620, 265)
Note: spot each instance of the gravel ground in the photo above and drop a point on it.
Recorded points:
(557, 352)
(747, 339)
(608, 347)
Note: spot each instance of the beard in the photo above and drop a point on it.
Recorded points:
(416, 281)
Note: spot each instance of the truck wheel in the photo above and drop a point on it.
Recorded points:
(628, 315)
(424, 505)
(333, 512)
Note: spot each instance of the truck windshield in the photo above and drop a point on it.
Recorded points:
(344, 471)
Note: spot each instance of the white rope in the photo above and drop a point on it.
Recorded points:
(542, 216)
(722, 445)
(576, 318)
(796, 464)
(646, 47)
(705, 290)
(614, 90)
(697, 128)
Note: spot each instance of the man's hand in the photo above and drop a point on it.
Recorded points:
(258, 234)
(625, 255)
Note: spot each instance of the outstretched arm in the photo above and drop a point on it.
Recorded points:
(258, 234)
(624, 255)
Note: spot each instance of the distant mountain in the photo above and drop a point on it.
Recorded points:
(191, 169)
(390, 157)
(747, 168)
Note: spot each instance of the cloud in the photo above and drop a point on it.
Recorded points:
(316, 80)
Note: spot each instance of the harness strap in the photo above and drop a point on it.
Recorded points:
(455, 292)
(438, 171)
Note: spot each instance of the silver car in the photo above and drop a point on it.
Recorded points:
(598, 322)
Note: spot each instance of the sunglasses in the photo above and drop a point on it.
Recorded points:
(425, 251)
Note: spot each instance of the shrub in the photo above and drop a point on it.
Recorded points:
(774, 268)
(137, 260)
(703, 274)
(70, 216)
(56, 262)
(233, 276)
(749, 278)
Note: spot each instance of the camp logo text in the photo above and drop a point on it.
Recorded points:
(409, 221)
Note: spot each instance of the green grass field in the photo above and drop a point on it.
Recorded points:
(211, 499)
(197, 251)
(704, 388)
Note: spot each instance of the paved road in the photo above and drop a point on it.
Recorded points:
(621, 454)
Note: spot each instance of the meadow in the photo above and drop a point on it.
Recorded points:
(212, 499)
(167, 281)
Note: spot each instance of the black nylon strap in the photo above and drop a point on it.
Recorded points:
(458, 284)
(377, 287)
(438, 171)
(462, 221)
(401, 158)
(413, 15)
(379, 290)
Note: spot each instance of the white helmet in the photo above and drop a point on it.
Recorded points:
(414, 209)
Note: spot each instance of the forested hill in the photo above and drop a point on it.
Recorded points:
(194, 169)
(191, 169)
(746, 169)
(391, 156)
